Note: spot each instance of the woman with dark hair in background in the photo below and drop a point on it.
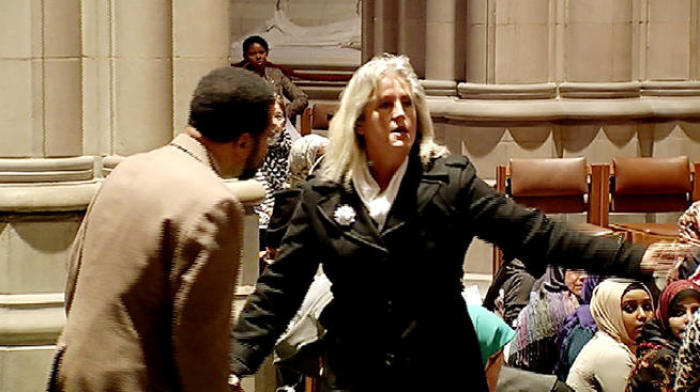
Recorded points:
(255, 52)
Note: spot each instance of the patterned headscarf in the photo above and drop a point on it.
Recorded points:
(302, 157)
(606, 308)
(552, 280)
(667, 297)
(689, 224)
(541, 320)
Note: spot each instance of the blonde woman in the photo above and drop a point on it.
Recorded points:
(390, 216)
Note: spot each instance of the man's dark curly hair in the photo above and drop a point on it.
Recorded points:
(229, 102)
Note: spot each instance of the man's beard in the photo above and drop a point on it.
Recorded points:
(251, 166)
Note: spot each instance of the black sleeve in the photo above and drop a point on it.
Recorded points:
(285, 204)
(527, 234)
(278, 294)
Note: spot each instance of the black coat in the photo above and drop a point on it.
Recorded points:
(398, 320)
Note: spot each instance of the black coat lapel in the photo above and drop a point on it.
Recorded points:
(417, 189)
(363, 229)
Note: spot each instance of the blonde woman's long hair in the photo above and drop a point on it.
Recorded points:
(345, 152)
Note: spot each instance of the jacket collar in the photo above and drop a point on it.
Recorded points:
(417, 189)
(196, 150)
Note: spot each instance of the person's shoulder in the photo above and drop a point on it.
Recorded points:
(608, 351)
(274, 72)
(450, 164)
(177, 171)
(319, 186)
(459, 161)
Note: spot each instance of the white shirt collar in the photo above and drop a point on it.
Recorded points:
(378, 203)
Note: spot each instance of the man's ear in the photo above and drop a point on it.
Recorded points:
(244, 140)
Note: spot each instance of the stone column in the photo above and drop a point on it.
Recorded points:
(200, 43)
(142, 75)
(97, 77)
(411, 33)
(477, 43)
(367, 30)
(385, 25)
(440, 47)
(669, 40)
(40, 96)
(608, 25)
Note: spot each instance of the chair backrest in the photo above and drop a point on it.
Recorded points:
(553, 185)
(650, 184)
(317, 117)
(645, 185)
(558, 185)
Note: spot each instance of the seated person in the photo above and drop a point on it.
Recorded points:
(255, 52)
(273, 173)
(541, 320)
(620, 307)
(493, 334)
(688, 361)
(510, 291)
(689, 224)
(660, 339)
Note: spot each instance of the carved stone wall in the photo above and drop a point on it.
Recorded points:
(549, 78)
(84, 83)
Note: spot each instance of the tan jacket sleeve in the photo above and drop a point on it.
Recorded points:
(206, 266)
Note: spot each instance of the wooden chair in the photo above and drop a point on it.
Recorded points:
(646, 185)
(558, 185)
(317, 117)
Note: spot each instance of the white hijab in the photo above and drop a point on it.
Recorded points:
(606, 308)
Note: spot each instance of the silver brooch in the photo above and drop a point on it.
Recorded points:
(344, 215)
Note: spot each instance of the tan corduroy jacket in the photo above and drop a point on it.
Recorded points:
(151, 278)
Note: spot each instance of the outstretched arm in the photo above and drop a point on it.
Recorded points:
(278, 294)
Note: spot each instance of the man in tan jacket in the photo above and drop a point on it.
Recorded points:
(153, 267)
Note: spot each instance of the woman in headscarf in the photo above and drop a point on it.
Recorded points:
(689, 224)
(661, 338)
(578, 329)
(688, 362)
(493, 334)
(620, 307)
(540, 322)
